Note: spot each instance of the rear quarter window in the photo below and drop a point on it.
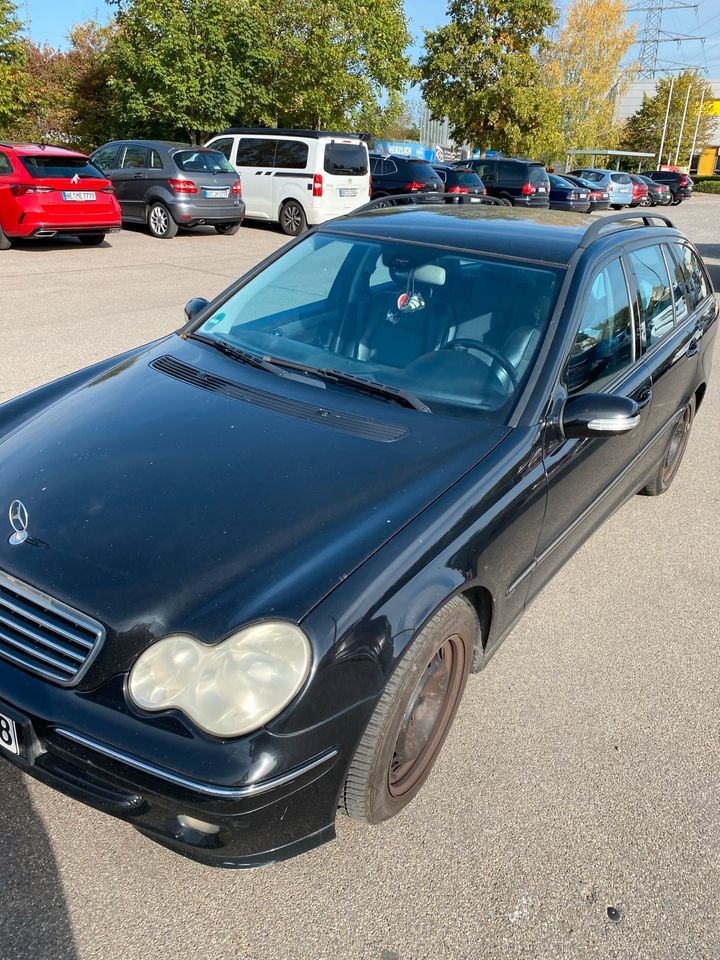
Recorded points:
(5, 165)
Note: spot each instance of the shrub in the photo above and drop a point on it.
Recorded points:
(708, 186)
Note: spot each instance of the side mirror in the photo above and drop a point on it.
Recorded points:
(194, 306)
(599, 415)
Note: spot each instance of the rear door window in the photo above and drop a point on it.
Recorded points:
(133, 157)
(605, 342)
(486, 171)
(656, 299)
(291, 154)
(346, 159)
(5, 165)
(256, 152)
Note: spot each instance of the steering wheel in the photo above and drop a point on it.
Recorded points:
(465, 343)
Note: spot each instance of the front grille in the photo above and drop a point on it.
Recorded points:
(43, 635)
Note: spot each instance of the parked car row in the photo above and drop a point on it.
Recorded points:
(295, 178)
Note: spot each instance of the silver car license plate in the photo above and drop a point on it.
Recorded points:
(79, 195)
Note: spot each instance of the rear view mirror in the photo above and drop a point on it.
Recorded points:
(599, 415)
(194, 306)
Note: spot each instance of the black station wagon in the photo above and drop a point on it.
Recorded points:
(247, 568)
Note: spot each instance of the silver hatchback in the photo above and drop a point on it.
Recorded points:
(617, 184)
(172, 185)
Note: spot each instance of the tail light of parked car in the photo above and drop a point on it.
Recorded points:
(109, 189)
(528, 190)
(182, 186)
(236, 189)
(683, 180)
(22, 189)
(458, 190)
(317, 185)
(415, 185)
(597, 195)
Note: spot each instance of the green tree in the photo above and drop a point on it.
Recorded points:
(13, 66)
(583, 74)
(643, 130)
(185, 68)
(335, 64)
(481, 71)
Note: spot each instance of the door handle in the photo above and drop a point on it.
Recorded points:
(138, 176)
(693, 346)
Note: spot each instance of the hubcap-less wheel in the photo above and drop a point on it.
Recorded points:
(158, 220)
(426, 718)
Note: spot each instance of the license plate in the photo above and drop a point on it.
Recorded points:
(215, 194)
(348, 193)
(583, 196)
(78, 195)
(8, 735)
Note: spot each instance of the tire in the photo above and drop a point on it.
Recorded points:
(431, 674)
(674, 453)
(616, 206)
(5, 243)
(676, 201)
(91, 239)
(227, 229)
(160, 222)
(292, 219)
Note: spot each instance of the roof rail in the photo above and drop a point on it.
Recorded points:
(294, 132)
(596, 228)
(414, 199)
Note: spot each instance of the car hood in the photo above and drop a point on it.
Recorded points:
(160, 500)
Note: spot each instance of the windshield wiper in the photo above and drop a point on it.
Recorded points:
(252, 359)
(381, 390)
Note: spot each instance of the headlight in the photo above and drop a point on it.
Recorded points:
(229, 688)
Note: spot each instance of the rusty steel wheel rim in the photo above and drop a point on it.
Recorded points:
(427, 717)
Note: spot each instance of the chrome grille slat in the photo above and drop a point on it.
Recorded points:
(28, 614)
(5, 637)
(18, 627)
(45, 635)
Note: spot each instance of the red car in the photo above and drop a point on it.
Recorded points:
(641, 192)
(46, 190)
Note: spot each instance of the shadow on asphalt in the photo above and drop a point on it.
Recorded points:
(34, 920)
(711, 252)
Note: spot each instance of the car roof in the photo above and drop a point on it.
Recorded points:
(450, 168)
(157, 144)
(293, 132)
(41, 149)
(542, 236)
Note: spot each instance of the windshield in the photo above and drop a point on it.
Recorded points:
(458, 331)
(44, 167)
(202, 161)
(348, 159)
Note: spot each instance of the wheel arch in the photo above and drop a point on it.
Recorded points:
(700, 395)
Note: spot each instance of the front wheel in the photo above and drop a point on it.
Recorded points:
(674, 453)
(161, 222)
(412, 717)
(91, 239)
(292, 218)
(227, 229)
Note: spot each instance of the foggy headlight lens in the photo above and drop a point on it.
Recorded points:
(229, 688)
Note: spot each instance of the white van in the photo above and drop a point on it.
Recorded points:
(297, 177)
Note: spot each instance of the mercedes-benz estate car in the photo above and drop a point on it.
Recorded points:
(247, 568)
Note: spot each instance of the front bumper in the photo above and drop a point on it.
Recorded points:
(246, 826)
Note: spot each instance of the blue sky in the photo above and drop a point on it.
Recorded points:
(50, 21)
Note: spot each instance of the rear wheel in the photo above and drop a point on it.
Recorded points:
(91, 239)
(674, 453)
(676, 201)
(617, 206)
(292, 218)
(160, 222)
(412, 717)
(4, 240)
(227, 229)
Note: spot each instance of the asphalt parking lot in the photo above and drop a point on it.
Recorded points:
(582, 771)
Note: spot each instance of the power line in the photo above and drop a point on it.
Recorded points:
(653, 35)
